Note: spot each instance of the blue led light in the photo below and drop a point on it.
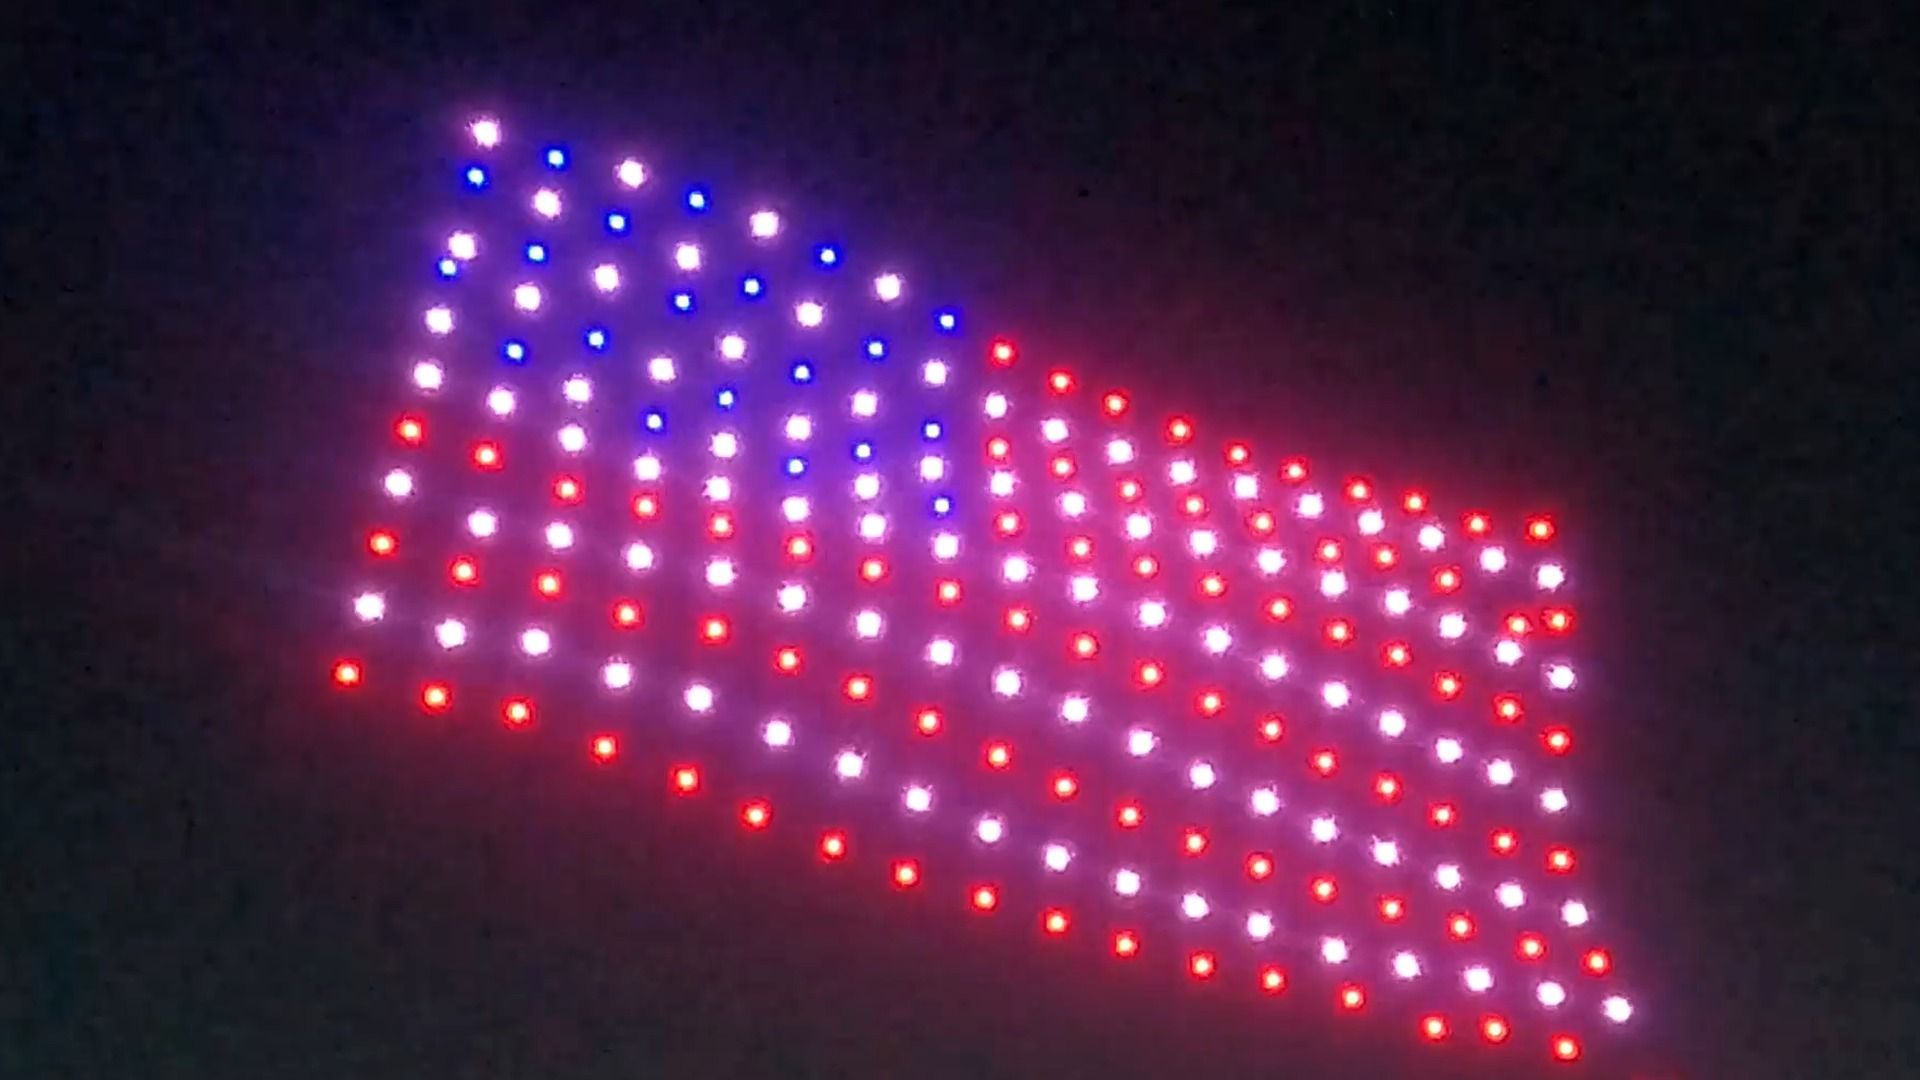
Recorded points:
(931, 430)
(682, 302)
(536, 252)
(654, 420)
(752, 287)
(515, 352)
(726, 397)
(448, 268)
(863, 451)
(697, 200)
(942, 505)
(796, 466)
(476, 177)
(947, 319)
(596, 339)
(876, 348)
(616, 221)
(826, 255)
(801, 372)
(556, 157)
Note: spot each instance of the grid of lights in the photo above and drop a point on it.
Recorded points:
(1324, 724)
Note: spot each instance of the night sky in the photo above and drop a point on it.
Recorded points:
(1644, 267)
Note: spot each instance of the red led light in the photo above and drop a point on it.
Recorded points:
(1460, 926)
(715, 630)
(1557, 620)
(1003, 353)
(1294, 470)
(436, 697)
(906, 874)
(1387, 788)
(1519, 625)
(1238, 453)
(1540, 529)
(1179, 431)
(1477, 524)
(1352, 997)
(464, 571)
(1260, 523)
(1008, 523)
(1129, 489)
(1273, 728)
(685, 779)
(1324, 889)
(1448, 685)
(786, 659)
(1324, 762)
(1446, 579)
(999, 754)
(1019, 620)
(1560, 860)
(1385, 556)
(1213, 585)
(1126, 944)
(1065, 786)
(927, 721)
(1149, 674)
(547, 583)
(1327, 551)
(833, 845)
(1062, 466)
(1531, 946)
(1202, 965)
(1272, 979)
(1115, 403)
(1506, 708)
(568, 489)
(1279, 609)
(756, 814)
(1414, 502)
(1442, 815)
(1194, 506)
(1146, 566)
(800, 547)
(347, 673)
(1434, 1027)
(603, 748)
(1566, 1048)
(646, 506)
(487, 455)
(1359, 489)
(1060, 381)
(946, 593)
(858, 687)
(1504, 841)
(1597, 962)
(1080, 548)
(517, 712)
(382, 543)
(720, 525)
(1396, 654)
(1259, 866)
(985, 898)
(1128, 815)
(626, 614)
(998, 448)
(1494, 1029)
(1085, 646)
(409, 430)
(1055, 921)
(1557, 740)
(1193, 841)
(1392, 908)
(873, 568)
(1210, 703)
(1339, 632)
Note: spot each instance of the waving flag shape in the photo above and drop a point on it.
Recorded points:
(749, 516)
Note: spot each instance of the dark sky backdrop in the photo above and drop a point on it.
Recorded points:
(1646, 266)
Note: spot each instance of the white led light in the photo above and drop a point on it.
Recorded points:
(865, 403)
(1140, 742)
(1201, 775)
(1053, 429)
(1119, 451)
(1386, 853)
(1216, 639)
(606, 277)
(485, 132)
(483, 523)
(1398, 601)
(1139, 526)
(795, 508)
(791, 597)
(1617, 1009)
(536, 642)
(1016, 569)
(1432, 538)
(617, 674)
(1000, 483)
(1510, 895)
(849, 765)
(1246, 486)
(932, 467)
(1274, 667)
(720, 573)
(1574, 913)
(934, 373)
(1182, 472)
(1448, 750)
(996, 406)
(809, 313)
(873, 527)
(630, 173)
(1337, 695)
(661, 369)
(1270, 561)
(918, 799)
(1550, 994)
(866, 486)
(1372, 522)
(1323, 829)
(778, 734)
(462, 246)
(686, 256)
(1477, 979)
(1084, 588)
(1499, 772)
(1310, 505)
(1406, 965)
(639, 556)
(763, 224)
(1447, 876)
(1333, 583)
(577, 390)
(733, 348)
(1073, 504)
(1549, 576)
(1007, 682)
(1259, 926)
(1126, 882)
(1265, 801)
(718, 488)
(428, 375)
(1553, 800)
(1393, 723)
(990, 830)
(572, 438)
(450, 633)
(724, 445)
(439, 321)
(699, 697)
(1194, 906)
(946, 546)
(646, 468)
(399, 483)
(867, 624)
(1152, 614)
(1334, 950)
(941, 652)
(1203, 542)
(887, 287)
(370, 607)
(526, 296)
(1493, 559)
(1507, 652)
(1075, 709)
(1056, 857)
(546, 203)
(559, 535)
(1453, 626)
(1560, 677)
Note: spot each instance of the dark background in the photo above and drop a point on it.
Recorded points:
(1653, 268)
